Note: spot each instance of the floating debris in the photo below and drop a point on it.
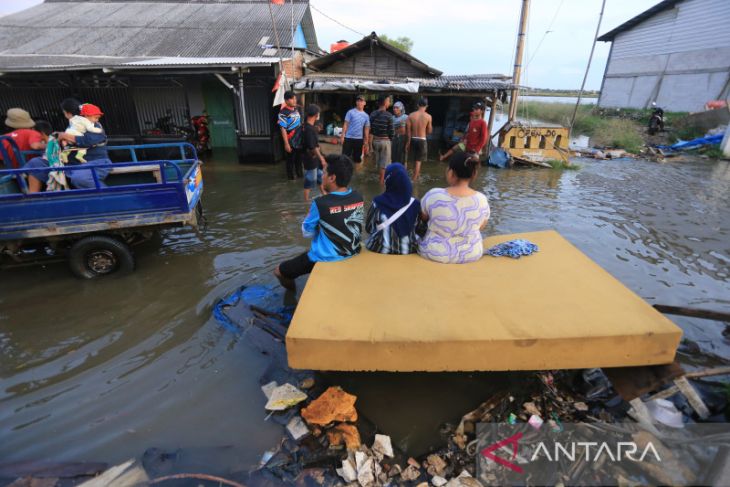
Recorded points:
(334, 405)
(284, 397)
(296, 428)
(344, 433)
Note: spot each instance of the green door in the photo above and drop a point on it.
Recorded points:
(222, 121)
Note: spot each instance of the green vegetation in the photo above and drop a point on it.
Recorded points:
(712, 151)
(621, 133)
(560, 92)
(403, 43)
(559, 164)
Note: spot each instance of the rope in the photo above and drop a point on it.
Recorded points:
(550, 26)
(336, 21)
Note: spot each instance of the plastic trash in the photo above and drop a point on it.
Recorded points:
(535, 421)
(383, 446)
(665, 412)
(296, 428)
(284, 397)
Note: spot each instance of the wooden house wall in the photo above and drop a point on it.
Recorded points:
(375, 62)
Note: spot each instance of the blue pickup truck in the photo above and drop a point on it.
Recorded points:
(94, 229)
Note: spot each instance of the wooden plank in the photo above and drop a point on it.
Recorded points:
(693, 312)
(693, 398)
(633, 382)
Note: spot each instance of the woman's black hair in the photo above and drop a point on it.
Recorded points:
(464, 165)
(340, 166)
(71, 105)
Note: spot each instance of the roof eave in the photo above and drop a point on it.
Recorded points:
(637, 19)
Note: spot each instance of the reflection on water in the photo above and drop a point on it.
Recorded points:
(104, 370)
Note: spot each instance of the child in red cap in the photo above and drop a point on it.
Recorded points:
(80, 124)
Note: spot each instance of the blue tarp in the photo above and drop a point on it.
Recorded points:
(499, 158)
(689, 144)
(257, 295)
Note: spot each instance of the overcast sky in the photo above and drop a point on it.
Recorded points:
(476, 36)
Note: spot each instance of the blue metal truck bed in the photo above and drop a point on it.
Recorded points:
(139, 196)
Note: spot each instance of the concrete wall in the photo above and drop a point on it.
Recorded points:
(679, 58)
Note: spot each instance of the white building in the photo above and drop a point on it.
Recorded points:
(677, 53)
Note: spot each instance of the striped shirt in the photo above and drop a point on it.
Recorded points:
(381, 124)
(387, 241)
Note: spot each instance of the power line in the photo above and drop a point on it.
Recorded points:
(555, 16)
(337, 21)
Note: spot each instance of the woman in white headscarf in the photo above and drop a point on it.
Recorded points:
(398, 150)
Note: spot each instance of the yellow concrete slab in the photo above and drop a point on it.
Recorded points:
(556, 309)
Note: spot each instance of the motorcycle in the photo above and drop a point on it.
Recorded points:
(656, 122)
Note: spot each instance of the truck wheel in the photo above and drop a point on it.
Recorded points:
(98, 256)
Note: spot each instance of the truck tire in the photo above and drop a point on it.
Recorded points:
(100, 255)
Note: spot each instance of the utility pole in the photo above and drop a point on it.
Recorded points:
(518, 59)
(585, 76)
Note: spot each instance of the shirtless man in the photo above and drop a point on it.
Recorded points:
(418, 126)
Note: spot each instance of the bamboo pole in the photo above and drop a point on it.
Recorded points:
(518, 59)
(490, 123)
(588, 67)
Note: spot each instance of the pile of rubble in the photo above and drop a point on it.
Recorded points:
(325, 444)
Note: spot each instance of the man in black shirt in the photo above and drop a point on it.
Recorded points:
(381, 133)
(312, 158)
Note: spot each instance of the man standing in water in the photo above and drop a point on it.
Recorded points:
(381, 133)
(355, 131)
(418, 127)
(290, 124)
(398, 150)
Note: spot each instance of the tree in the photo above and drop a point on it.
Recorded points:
(403, 43)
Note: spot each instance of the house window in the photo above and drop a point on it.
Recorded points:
(528, 142)
(558, 140)
(543, 141)
(512, 142)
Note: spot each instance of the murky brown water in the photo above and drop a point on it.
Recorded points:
(103, 370)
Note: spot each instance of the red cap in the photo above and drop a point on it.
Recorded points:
(87, 110)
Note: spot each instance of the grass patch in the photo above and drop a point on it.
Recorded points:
(617, 132)
(559, 164)
(620, 134)
(712, 151)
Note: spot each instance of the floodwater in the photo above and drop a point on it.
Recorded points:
(101, 371)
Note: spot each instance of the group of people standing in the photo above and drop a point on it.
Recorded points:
(392, 137)
(83, 141)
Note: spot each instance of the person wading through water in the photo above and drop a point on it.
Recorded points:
(418, 127)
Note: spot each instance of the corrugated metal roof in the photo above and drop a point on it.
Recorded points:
(136, 30)
(212, 61)
(476, 83)
(659, 7)
(471, 83)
